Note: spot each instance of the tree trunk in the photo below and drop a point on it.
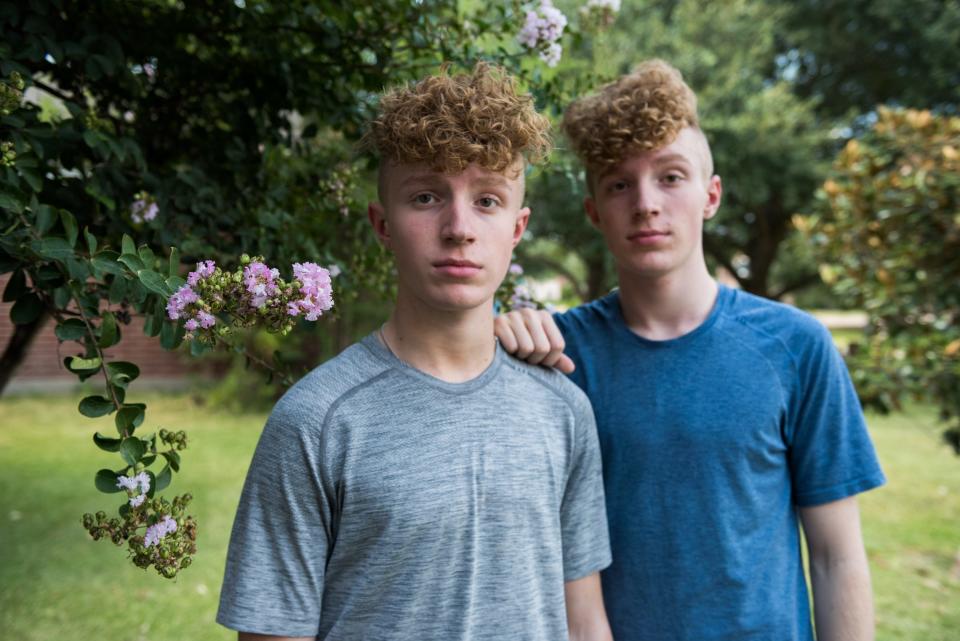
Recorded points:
(596, 277)
(16, 349)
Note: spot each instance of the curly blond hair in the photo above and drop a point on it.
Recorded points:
(643, 110)
(450, 121)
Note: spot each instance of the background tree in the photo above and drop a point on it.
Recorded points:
(887, 231)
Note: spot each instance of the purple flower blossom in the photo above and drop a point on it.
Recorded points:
(191, 325)
(551, 55)
(516, 269)
(137, 501)
(541, 30)
(158, 531)
(259, 280)
(315, 288)
(179, 301)
(206, 319)
(131, 483)
(205, 269)
(143, 210)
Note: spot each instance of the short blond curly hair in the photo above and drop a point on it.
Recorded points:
(451, 121)
(643, 110)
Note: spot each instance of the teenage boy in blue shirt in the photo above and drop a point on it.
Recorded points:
(726, 421)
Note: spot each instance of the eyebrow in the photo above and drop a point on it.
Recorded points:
(669, 158)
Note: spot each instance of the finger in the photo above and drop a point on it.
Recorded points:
(521, 334)
(533, 319)
(565, 364)
(504, 333)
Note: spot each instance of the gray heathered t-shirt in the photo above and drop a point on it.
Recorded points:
(385, 504)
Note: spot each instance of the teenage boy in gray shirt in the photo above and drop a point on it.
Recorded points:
(423, 485)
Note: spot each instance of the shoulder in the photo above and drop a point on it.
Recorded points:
(551, 383)
(596, 312)
(798, 331)
(310, 400)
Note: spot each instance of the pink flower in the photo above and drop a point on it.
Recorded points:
(315, 288)
(259, 280)
(206, 319)
(191, 325)
(158, 531)
(205, 269)
(516, 269)
(179, 301)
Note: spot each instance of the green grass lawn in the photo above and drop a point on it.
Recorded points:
(57, 584)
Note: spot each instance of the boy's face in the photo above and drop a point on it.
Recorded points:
(651, 207)
(452, 236)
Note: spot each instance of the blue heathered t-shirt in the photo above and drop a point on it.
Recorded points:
(710, 442)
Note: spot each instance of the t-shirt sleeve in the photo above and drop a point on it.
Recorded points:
(274, 577)
(583, 514)
(831, 454)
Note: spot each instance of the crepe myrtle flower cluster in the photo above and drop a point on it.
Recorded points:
(542, 30)
(169, 536)
(254, 294)
(514, 294)
(133, 484)
(144, 208)
(600, 13)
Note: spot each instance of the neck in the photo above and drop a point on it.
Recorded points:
(662, 307)
(454, 346)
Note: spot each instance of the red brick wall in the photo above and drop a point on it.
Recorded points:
(44, 361)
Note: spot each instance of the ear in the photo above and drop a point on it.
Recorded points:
(523, 218)
(378, 220)
(590, 206)
(714, 194)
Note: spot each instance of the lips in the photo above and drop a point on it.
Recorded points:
(457, 268)
(648, 236)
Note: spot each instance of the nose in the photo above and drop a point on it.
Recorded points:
(647, 200)
(458, 223)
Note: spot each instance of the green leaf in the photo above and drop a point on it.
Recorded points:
(154, 282)
(174, 262)
(164, 478)
(153, 483)
(26, 310)
(76, 363)
(106, 481)
(54, 248)
(171, 335)
(175, 283)
(12, 199)
(147, 256)
(132, 450)
(79, 269)
(69, 226)
(62, 297)
(173, 459)
(127, 245)
(118, 290)
(46, 217)
(132, 261)
(198, 348)
(148, 460)
(16, 286)
(108, 330)
(106, 444)
(72, 329)
(96, 406)
(129, 418)
(106, 263)
(91, 241)
(121, 373)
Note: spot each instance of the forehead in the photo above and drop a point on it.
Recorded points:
(690, 147)
(414, 175)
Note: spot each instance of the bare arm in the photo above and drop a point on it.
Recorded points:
(533, 336)
(586, 616)
(840, 576)
(249, 636)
